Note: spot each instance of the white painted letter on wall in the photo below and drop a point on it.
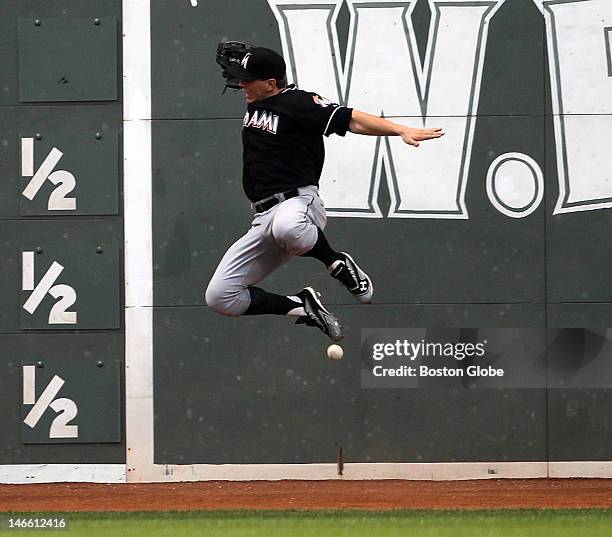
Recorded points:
(580, 59)
(383, 75)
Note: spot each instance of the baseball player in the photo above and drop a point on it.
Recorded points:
(283, 154)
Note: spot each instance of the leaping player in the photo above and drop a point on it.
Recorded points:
(283, 154)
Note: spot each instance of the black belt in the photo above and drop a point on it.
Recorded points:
(268, 203)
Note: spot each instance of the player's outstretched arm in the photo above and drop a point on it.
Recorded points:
(364, 123)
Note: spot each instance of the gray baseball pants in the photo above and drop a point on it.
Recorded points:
(276, 235)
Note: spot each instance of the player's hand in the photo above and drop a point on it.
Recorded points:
(413, 136)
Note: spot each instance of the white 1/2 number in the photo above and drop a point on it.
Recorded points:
(64, 407)
(58, 314)
(66, 181)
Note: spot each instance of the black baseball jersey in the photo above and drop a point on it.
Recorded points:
(282, 139)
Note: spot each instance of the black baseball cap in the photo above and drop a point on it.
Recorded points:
(257, 64)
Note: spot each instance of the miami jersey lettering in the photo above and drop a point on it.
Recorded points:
(261, 120)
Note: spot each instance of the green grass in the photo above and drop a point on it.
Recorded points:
(511, 523)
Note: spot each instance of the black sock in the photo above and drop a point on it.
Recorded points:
(263, 302)
(323, 251)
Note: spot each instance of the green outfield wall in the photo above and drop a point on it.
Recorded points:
(120, 161)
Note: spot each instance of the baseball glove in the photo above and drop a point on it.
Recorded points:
(228, 53)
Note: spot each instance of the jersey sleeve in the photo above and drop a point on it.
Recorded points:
(322, 115)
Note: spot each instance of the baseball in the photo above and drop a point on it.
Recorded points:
(334, 352)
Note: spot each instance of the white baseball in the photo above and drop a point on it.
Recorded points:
(335, 352)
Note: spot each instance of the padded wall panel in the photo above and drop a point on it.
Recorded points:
(272, 396)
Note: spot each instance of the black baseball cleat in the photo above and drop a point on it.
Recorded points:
(350, 275)
(317, 315)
